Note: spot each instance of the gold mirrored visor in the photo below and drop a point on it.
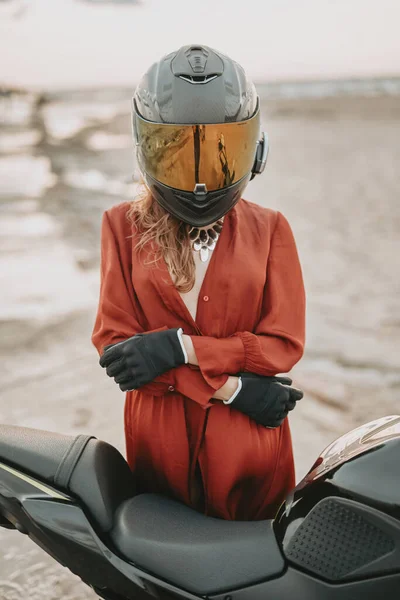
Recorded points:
(181, 156)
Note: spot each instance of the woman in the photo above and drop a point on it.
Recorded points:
(202, 298)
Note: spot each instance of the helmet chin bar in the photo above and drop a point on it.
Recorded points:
(196, 209)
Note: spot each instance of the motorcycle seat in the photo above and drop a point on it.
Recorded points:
(88, 469)
(201, 554)
(163, 536)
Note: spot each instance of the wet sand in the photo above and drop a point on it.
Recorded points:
(333, 171)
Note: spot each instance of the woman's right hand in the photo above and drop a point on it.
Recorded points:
(266, 400)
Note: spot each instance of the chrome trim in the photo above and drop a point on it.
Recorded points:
(34, 483)
(200, 189)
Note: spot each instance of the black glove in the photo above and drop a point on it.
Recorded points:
(143, 357)
(266, 400)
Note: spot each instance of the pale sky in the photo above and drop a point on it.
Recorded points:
(66, 43)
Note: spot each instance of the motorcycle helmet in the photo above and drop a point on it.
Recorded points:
(196, 126)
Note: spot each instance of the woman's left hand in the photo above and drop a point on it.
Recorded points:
(266, 399)
(143, 357)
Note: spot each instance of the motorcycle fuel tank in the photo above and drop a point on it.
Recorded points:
(342, 521)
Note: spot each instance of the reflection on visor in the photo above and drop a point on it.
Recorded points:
(180, 156)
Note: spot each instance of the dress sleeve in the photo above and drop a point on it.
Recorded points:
(277, 342)
(118, 318)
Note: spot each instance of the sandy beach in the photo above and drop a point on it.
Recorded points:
(64, 158)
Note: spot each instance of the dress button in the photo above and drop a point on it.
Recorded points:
(206, 298)
(171, 388)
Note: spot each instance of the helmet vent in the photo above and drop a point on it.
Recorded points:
(197, 58)
(198, 78)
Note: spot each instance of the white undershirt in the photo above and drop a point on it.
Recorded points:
(191, 298)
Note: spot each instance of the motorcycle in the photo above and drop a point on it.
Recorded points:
(336, 536)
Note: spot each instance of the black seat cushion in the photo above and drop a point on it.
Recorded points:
(37, 452)
(88, 469)
(201, 554)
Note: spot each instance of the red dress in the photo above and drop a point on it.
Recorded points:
(250, 317)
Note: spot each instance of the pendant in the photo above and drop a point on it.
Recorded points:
(204, 253)
(205, 239)
(197, 245)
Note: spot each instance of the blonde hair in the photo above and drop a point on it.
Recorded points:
(170, 237)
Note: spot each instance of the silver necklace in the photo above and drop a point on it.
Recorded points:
(204, 239)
